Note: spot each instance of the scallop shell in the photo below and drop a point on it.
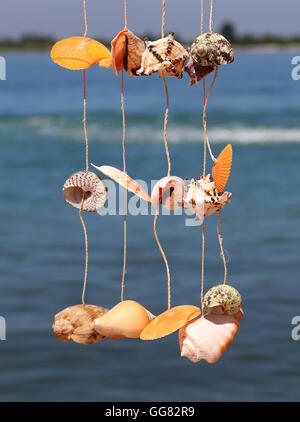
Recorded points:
(221, 168)
(76, 323)
(88, 184)
(126, 319)
(124, 180)
(126, 52)
(196, 71)
(222, 299)
(165, 56)
(211, 49)
(77, 53)
(209, 336)
(168, 192)
(169, 321)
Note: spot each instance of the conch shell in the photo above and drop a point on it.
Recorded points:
(85, 185)
(209, 336)
(126, 52)
(78, 53)
(222, 299)
(169, 321)
(165, 56)
(76, 323)
(168, 192)
(126, 319)
(124, 180)
(211, 49)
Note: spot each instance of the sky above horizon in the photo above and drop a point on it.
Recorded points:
(62, 18)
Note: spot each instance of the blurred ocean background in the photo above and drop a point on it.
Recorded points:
(255, 105)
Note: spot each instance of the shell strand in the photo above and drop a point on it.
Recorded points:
(201, 16)
(163, 18)
(165, 126)
(221, 248)
(84, 125)
(125, 192)
(125, 14)
(85, 18)
(202, 266)
(211, 15)
(86, 251)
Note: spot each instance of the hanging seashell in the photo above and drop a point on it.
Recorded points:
(204, 187)
(126, 319)
(221, 168)
(169, 321)
(78, 53)
(209, 336)
(76, 323)
(124, 180)
(196, 71)
(126, 52)
(211, 49)
(222, 299)
(165, 56)
(85, 184)
(168, 192)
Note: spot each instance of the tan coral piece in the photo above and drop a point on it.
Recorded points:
(88, 185)
(126, 52)
(76, 323)
(209, 336)
(126, 319)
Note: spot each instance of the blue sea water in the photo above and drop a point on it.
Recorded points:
(255, 105)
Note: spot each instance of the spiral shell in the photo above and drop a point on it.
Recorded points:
(222, 299)
(211, 49)
(76, 323)
(87, 185)
(209, 336)
(168, 192)
(126, 319)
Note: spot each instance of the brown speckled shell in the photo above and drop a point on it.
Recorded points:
(222, 299)
(211, 49)
(196, 71)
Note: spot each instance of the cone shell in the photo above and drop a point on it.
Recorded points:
(126, 319)
(222, 299)
(88, 184)
(77, 53)
(126, 52)
(76, 323)
(196, 71)
(209, 337)
(124, 180)
(165, 56)
(221, 168)
(168, 192)
(169, 321)
(211, 49)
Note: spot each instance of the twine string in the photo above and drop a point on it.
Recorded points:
(166, 124)
(125, 193)
(125, 14)
(85, 19)
(84, 124)
(86, 250)
(201, 16)
(163, 16)
(221, 248)
(211, 15)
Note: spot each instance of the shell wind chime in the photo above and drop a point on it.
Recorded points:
(206, 329)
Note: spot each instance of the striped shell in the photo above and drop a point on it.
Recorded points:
(124, 180)
(126, 52)
(221, 168)
(78, 53)
(211, 49)
(222, 299)
(126, 319)
(76, 323)
(85, 184)
(168, 192)
(209, 336)
(169, 321)
(165, 56)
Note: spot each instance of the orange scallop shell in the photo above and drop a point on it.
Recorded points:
(169, 321)
(77, 53)
(126, 52)
(209, 336)
(221, 168)
(124, 180)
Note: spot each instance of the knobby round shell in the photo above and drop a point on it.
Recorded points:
(165, 56)
(76, 323)
(126, 52)
(196, 71)
(209, 336)
(221, 168)
(126, 319)
(211, 49)
(169, 321)
(88, 185)
(124, 180)
(222, 299)
(78, 53)
(168, 192)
